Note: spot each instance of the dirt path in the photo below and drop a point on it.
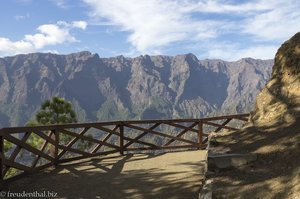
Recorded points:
(275, 173)
(144, 176)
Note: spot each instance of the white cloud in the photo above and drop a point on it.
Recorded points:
(74, 24)
(8, 47)
(279, 22)
(48, 35)
(60, 3)
(66, 4)
(154, 25)
(79, 24)
(21, 17)
(51, 51)
(219, 6)
(234, 51)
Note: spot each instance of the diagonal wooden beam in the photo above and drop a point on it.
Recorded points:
(16, 151)
(141, 135)
(219, 125)
(64, 148)
(181, 133)
(73, 141)
(18, 148)
(125, 138)
(48, 137)
(182, 126)
(242, 118)
(159, 134)
(73, 150)
(44, 145)
(205, 140)
(98, 146)
(88, 139)
(27, 147)
(90, 155)
(16, 165)
(223, 124)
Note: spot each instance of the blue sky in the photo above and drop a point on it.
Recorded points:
(214, 29)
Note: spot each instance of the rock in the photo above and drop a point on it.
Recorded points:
(225, 161)
(206, 191)
(279, 102)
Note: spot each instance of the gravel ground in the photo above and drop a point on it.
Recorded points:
(176, 175)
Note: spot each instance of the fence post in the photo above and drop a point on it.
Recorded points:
(1, 162)
(200, 133)
(56, 141)
(121, 138)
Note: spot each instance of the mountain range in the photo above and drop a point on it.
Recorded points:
(144, 87)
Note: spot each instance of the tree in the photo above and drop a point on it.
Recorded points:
(56, 111)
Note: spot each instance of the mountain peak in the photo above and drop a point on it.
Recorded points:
(125, 88)
(81, 54)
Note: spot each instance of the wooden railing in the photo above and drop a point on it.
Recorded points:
(27, 149)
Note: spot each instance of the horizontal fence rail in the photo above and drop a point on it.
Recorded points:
(27, 149)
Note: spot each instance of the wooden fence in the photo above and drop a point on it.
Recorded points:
(27, 149)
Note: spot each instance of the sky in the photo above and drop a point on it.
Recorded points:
(210, 29)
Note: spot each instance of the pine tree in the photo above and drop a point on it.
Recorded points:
(56, 111)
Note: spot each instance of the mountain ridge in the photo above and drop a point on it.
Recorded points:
(128, 88)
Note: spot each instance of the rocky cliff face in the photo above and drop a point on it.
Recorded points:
(279, 101)
(125, 88)
(273, 135)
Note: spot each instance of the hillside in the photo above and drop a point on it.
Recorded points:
(273, 133)
(125, 88)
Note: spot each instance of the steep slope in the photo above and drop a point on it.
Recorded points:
(123, 88)
(273, 133)
(279, 101)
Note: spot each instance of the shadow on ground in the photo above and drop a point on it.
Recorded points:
(275, 174)
(145, 176)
